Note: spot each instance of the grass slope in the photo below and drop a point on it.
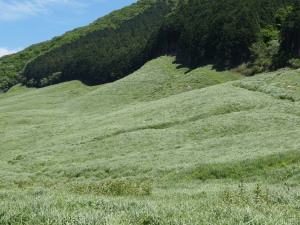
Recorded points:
(164, 145)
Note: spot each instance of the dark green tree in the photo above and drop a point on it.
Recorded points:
(290, 33)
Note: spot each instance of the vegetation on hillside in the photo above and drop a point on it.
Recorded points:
(164, 145)
(169, 143)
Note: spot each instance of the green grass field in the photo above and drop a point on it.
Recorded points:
(164, 145)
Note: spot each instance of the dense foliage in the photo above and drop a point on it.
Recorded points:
(12, 66)
(216, 31)
(101, 56)
(290, 34)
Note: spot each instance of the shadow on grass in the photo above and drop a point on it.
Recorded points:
(191, 67)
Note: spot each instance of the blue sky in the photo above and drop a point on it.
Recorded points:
(27, 22)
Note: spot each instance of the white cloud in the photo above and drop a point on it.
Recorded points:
(15, 10)
(4, 52)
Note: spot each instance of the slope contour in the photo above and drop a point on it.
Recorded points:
(187, 133)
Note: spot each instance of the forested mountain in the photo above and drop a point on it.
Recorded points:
(101, 56)
(12, 66)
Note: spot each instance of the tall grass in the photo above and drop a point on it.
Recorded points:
(162, 146)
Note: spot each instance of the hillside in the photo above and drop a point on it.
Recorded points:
(164, 145)
(12, 66)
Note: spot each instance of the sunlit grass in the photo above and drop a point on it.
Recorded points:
(178, 143)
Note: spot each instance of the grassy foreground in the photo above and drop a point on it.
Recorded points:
(162, 146)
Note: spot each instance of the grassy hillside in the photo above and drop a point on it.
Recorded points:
(164, 145)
